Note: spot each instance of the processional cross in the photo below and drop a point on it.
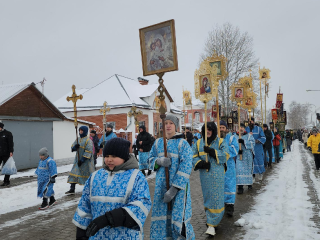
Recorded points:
(104, 111)
(134, 113)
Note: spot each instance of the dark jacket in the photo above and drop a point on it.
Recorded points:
(289, 138)
(6, 143)
(146, 139)
(95, 141)
(268, 143)
(189, 137)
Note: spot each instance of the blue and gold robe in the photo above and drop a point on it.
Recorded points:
(258, 161)
(167, 224)
(230, 185)
(105, 191)
(244, 167)
(143, 160)
(80, 174)
(46, 169)
(212, 182)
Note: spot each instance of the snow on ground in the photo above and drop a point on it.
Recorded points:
(282, 210)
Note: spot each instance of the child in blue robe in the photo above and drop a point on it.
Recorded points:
(47, 172)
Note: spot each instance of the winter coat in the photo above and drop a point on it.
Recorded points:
(146, 139)
(313, 142)
(289, 139)
(6, 143)
(95, 141)
(276, 140)
(268, 143)
(189, 137)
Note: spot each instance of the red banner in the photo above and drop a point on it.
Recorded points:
(279, 100)
(274, 114)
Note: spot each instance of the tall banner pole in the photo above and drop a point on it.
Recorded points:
(184, 103)
(239, 119)
(218, 113)
(265, 101)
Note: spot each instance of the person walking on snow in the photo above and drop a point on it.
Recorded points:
(212, 173)
(313, 146)
(174, 224)
(95, 141)
(276, 144)
(244, 167)
(6, 150)
(230, 182)
(288, 140)
(84, 166)
(109, 135)
(267, 146)
(47, 173)
(144, 144)
(115, 201)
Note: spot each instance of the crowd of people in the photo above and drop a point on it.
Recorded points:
(116, 199)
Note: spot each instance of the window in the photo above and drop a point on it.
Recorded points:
(203, 117)
(142, 123)
(197, 115)
(190, 117)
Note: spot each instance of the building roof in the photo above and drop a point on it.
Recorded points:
(117, 90)
(8, 91)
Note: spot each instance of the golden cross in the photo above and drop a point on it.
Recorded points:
(134, 113)
(104, 111)
(74, 98)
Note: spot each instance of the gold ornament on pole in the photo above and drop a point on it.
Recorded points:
(187, 101)
(264, 76)
(104, 111)
(250, 102)
(74, 98)
(135, 114)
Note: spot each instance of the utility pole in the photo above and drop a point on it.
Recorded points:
(42, 84)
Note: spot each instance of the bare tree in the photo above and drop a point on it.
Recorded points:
(237, 47)
(298, 115)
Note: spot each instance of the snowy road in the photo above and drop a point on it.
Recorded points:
(284, 210)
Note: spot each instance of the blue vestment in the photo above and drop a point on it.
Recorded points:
(230, 184)
(105, 191)
(80, 174)
(212, 182)
(258, 161)
(46, 169)
(167, 224)
(143, 160)
(107, 138)
(281, 149)
(244, 167)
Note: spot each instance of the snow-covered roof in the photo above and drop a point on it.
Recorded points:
(8, 91)
(81, 121)
(118, 91)
(174, 109)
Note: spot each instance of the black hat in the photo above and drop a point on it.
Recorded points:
(118, 147)
(142, 127)
(93, 131)
(110, 126)
(223, 123)
(242, 125)
(252, 119)
(211, 126)
(1, 125)
(265, 125)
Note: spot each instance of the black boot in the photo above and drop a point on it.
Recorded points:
(4, 184)
(249, 187)
(52, 201)
(44, 204)
(149, 172)
(229, 209)
(72, 189)
(240, 189)
(143, 172)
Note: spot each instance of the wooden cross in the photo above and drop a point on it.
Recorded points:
(74, 98)
(104, 111)
(134, 113)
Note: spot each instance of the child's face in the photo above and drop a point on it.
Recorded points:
(42, 157)
(170, 127)
(113, 161)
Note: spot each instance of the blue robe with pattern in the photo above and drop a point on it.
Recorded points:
(212, 182)
(46, 169)
(281, 149)
(244, 167)
(105, 191)
(80, 174)
(110, 136)
(258, 161)
(167, 224)
(230, 177)
(143, 160)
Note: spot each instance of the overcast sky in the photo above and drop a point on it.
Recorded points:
(84, 42)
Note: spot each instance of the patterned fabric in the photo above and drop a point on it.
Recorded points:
(110, 136)
(168, 224)
(143, 160)
(258, 161)
(281, 149)
(244, 167)
(212, 182)
(105, 191)
(80, 174)
(46, 169)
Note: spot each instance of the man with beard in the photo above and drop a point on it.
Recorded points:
(144, 144)
(260, 139)
(109, 135)
(244, 167)
(267, 146)
(210, 160)
(230, 184)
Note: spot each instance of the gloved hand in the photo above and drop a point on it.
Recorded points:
(102, 144)
(170, 194)
(75, 147)
(52, 180)
(257, 142)
(309, 148)
(164, 161)
(240, 151)
(196, 137)
(203, 165)
(210, 151)
(240, 140)
(97, 224)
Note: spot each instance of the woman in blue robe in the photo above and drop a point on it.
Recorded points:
(212, 174)
(175, 223)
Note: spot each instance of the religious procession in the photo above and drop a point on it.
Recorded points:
(217, 148)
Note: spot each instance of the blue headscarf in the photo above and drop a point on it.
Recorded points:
(85, 131)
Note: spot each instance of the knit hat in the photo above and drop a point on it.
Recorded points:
(252, 119)
(1, 125)
(43, 152)
(265, 125)
(93, 131)
(110, 126)
(314, 130)
(118, 147)
(223, 123)
(242, 125)
(174, 119)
